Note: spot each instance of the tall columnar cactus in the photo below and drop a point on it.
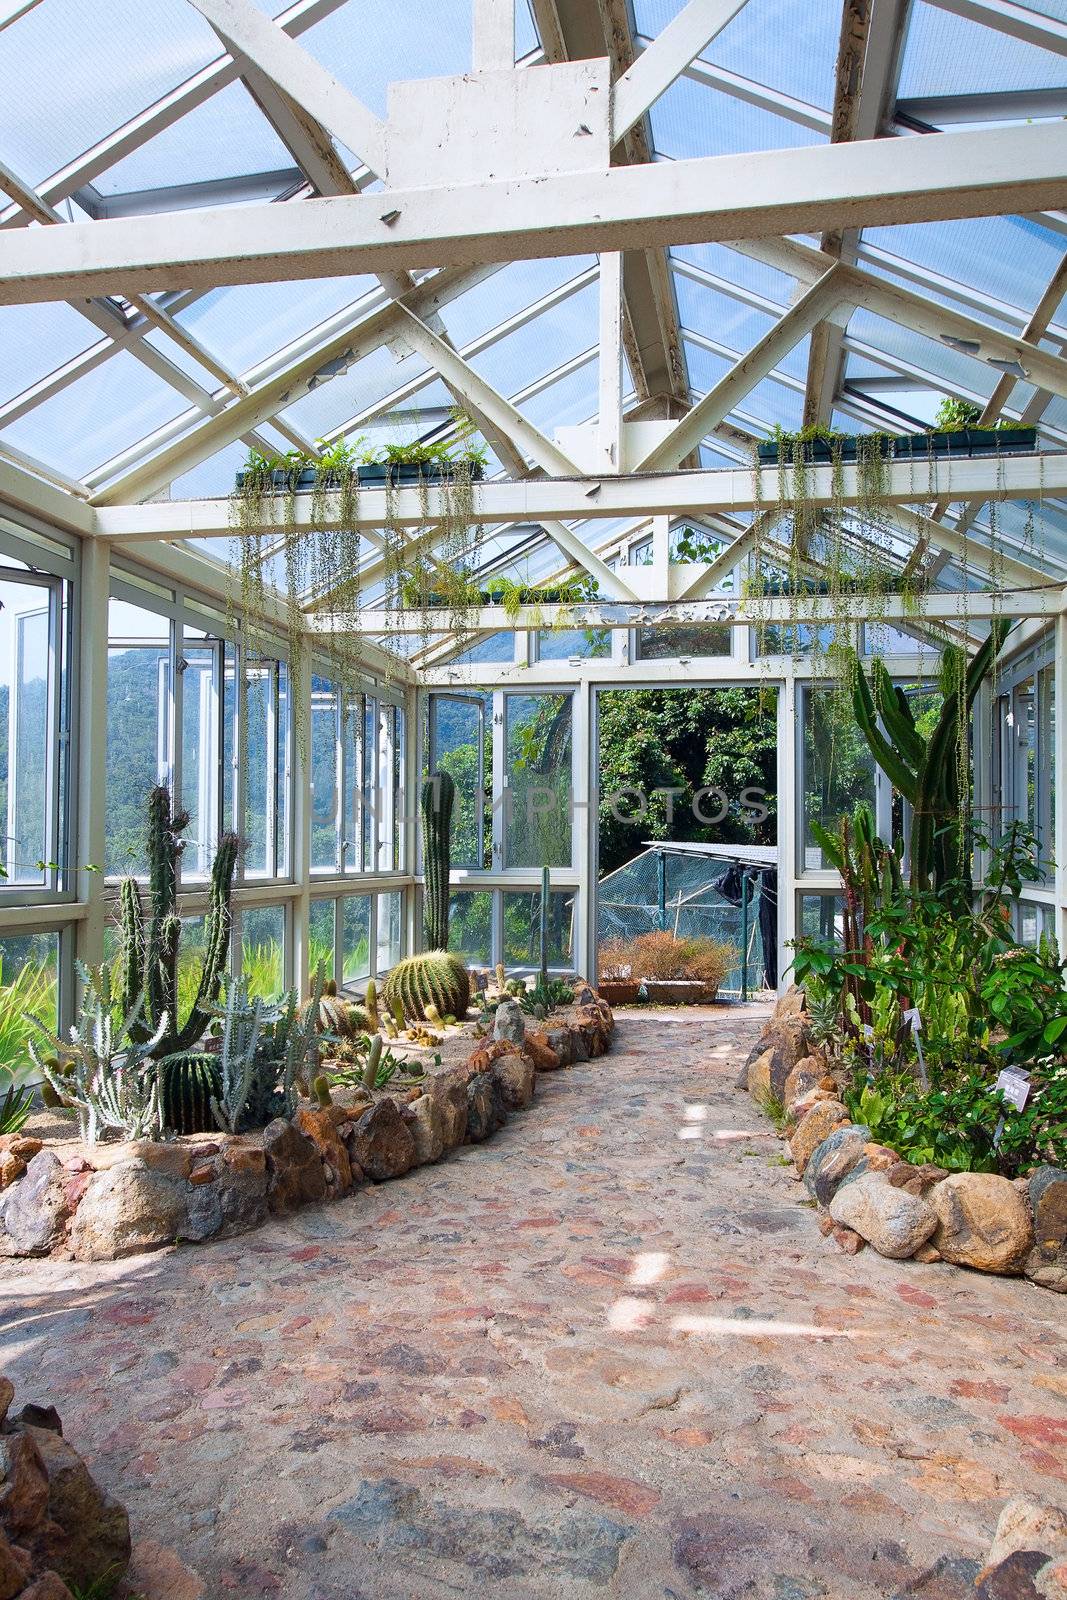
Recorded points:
(438, 798)
(436, 978)
(149, 949)
(927, 771)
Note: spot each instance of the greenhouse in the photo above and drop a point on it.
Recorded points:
(533, 687)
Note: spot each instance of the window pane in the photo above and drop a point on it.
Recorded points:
(26, 729)
(352, 806)
(538, 765)
(457, 731)
(388, 953)
(355, 937)
(138, 729)
(522, 928)
(399, 795)
(370, 777)
(470, 925)
(656, 644)
(838, 770)
(325, 749)
(385, 797)
(263, 950)
(200, 757)
(560, 644)
(821, 918)
(321, 937)
(264, 765)
(29, 981)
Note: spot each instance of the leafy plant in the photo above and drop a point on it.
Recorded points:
(17, 1103)
(105, 1071)
(31, 988)
(546, 997)
(954, 414)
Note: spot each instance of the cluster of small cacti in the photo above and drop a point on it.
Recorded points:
(433, 978)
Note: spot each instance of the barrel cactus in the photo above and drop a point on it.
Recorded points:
(189, 1086)
(435, 978)
(438, 798)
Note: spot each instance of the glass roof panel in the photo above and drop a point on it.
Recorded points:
(367, 47)
(788, 44)
(109, 63)
(243, 325)
(35, 340)
(692, 119)
(98, 415)
(1009, 258)
(507, 292)
(226, 137)
(542, 345)
(947, 54)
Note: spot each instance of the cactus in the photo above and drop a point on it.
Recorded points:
(501, 977)
(396, 1007)
(190, 1084)
(438, 798)
(104, 1072)
(436, 977)
(370, 1002)
(927, 771)
(374, 1056)
(149, 950)
(266, 1051)
(323, 1096)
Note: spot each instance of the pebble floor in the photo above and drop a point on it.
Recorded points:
(607, 1354)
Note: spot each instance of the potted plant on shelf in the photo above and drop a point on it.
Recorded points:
(954, 433)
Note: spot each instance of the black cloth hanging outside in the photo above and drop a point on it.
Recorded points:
(729, 886)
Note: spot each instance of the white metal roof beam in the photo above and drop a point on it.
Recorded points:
(729, 489)
(823, 298)
(711, 198)
(966, 335)
(666, 58)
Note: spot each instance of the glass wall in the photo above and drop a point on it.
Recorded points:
(138, 752)
(539, 782)
(837, 770)
(33, 699)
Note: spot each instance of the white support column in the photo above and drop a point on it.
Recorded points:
(494, 34)
(300, 795)
(586, 800)
(789, 753)
(90, 835)
(609, 435)
(1060, 761)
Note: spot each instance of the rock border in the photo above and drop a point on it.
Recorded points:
(868, 1194)
(127, 1199)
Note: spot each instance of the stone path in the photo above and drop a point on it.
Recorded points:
(608, 1354)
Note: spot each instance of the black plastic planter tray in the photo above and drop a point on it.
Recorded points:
(405, 475)
(914, 446)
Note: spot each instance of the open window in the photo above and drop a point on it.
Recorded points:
(32, 728)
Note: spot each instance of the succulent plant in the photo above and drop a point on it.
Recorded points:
(438, 798)
(435, 977)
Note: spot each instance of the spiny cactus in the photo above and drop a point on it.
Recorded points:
(370, 1002)
(925, 771)
(438, 798)
(190, 1084)
(434, 976)
(374, 1056)
(149, 949)
(396, 1006)
(321, 1089)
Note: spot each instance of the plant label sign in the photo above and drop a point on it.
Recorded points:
(1014, 1086)
(913, 1019)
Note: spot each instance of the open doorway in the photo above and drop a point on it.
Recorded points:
(687, 829)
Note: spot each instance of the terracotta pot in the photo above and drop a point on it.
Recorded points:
(619, 991)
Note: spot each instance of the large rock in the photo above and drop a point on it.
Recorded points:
(1029, 1525)
(426, 1126)
(540, 1052)
(894, 1222)
(231, 1194)
(23, 1486)
(86, 1534)
(295, 1174)
(382, 1143)
(805, 1076)
(486, 1111)
(1047, 1261)
(783, 1044)
(561, 1040)
(820, 1121)
(509, 1022)
(449, 1092)
(35, 1210)
(833, 1160)
(14, 1569)
(127, 1209)
(322, 1127)
(982, 1221)
(514, 1076)
(49, 1586)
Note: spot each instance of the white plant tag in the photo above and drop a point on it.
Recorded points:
(1014, 1086)
(913, 1019)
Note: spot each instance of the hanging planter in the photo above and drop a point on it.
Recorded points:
(903, 446)
(369, 474)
